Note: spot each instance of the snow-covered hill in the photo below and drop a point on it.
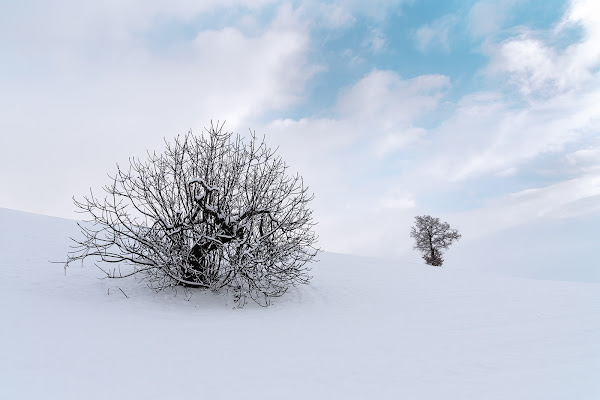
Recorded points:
(363, 329)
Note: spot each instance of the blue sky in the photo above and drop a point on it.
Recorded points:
(485, 113)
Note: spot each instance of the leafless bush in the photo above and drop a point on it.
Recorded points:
(431, 237)
(210, 212)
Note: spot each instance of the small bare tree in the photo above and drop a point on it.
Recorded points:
(210, 212)
(431, 237)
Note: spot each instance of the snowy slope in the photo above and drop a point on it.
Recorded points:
(364, 328)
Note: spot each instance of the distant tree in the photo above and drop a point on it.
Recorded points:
(432, 237)
(210, 212)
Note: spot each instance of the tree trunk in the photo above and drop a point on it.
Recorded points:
(431, 248)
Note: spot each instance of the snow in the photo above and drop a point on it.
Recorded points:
(364, 328)
(203, 183)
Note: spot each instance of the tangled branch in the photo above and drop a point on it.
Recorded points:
(210, 212)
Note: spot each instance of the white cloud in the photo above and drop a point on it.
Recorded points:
(530, 65)
(385, 93)
(584, 12)
(353, 59)
(486, 17)
(587, 159)
(538, 68)
(511, 171)
(271, 77)
(487, 134)
(94, 93)
(326, 15)
(396, 199)
(374, 117)
(376, 9)
(376, 41)
(494, 134)
(398, 139)
(436, 34)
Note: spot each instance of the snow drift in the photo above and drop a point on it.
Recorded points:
(364, 328)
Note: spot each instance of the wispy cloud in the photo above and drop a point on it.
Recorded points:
(586, 159)
(437, 34)
(536, 67)
(487, 134)
(376, 41)
(487, 17)
(122, 96)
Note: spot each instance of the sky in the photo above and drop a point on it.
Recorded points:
(483, 113)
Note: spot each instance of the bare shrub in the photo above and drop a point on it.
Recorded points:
(210, 212)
